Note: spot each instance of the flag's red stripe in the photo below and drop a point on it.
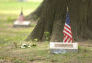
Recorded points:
(67, 32)
(66, 37)
(69, 40)
(67, 27)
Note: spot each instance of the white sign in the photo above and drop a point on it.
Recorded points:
(61, 47)
(22, 23)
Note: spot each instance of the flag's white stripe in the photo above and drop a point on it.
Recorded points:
(67, 33)
(68, 39)
(67, 25)
(64, 38)
(67, 29)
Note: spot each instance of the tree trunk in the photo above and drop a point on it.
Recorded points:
(52, 17)
(36, 14)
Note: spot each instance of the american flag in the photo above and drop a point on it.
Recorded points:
(21, 17)
(67, 31)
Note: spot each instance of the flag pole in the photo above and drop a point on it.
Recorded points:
(22, 10)
(21, 17)
(70, 21)
(67, 9)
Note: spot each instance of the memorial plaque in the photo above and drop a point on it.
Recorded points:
(22, 24)
(60, 47)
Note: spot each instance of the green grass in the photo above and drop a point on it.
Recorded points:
(9, 10)
(13, 8)
(41, 54)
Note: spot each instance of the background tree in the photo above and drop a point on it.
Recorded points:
(52, 15)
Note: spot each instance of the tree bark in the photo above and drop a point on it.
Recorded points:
(52, 17)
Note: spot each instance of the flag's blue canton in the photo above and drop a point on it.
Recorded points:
(67, 18)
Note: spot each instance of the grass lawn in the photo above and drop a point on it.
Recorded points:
(9, 10)
(13, 8)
